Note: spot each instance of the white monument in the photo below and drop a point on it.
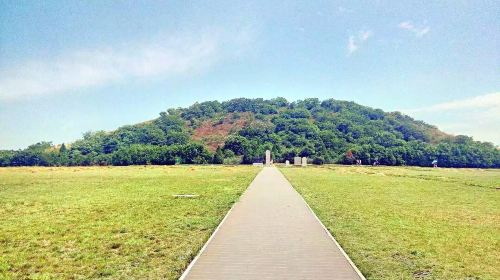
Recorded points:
(268, 157)
(304, 161)
(296, 161)
(287, 163)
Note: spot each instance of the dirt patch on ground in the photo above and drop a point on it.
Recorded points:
(214, 132)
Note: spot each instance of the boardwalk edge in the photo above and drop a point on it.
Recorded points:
(191, 264)
(328, 233)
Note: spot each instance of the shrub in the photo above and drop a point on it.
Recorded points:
(233, 160)
(319, 160)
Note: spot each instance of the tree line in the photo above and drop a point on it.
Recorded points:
(329, 131)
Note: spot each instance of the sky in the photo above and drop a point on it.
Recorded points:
(67, 67)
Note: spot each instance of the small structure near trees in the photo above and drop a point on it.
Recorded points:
(268, 158)
(297, 161)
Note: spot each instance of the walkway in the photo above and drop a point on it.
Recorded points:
(271, 234)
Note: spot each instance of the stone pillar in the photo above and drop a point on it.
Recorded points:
(296, 161)
(304, 161)
(287, 163)
(268, 157)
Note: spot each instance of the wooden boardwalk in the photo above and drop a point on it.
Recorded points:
(271, 233)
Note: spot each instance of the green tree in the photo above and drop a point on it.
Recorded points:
(218, 157)
(237, 144)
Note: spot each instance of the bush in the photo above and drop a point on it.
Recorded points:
(319, 160)
(165, 155)
(233, 160)
(218, 157)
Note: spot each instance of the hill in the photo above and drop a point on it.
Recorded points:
(240, 130)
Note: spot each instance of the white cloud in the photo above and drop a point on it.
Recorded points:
(477, 116)
(86, 68)
(418, 31)
(351, 45)
(491, 100)
(355, 41)
(365, 35)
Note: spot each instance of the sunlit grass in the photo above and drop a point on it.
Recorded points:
(110, 222)
(409, 223)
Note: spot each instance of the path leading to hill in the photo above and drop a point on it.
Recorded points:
(271, 234)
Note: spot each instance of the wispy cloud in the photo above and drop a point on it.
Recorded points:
(491, 100)
(355, 41)
(351, 45)
(419, 31)
(342, 10)
(86, 68)
(477, 116)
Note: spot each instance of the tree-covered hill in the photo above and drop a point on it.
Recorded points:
(240, 130)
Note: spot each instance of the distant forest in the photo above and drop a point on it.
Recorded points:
(240, 130)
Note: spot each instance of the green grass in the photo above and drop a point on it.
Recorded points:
(409, 223)
(110, 222)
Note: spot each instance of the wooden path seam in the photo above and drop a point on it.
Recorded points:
(271, 233)
(361, 276)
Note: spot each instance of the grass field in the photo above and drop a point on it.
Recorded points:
(110, 222)
(409, 223)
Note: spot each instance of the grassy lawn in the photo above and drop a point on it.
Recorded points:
(409, 223)
(110, 222)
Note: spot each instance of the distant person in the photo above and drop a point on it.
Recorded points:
(375, 163)
(435, 163)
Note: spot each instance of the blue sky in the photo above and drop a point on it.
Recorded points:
(67, 67)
